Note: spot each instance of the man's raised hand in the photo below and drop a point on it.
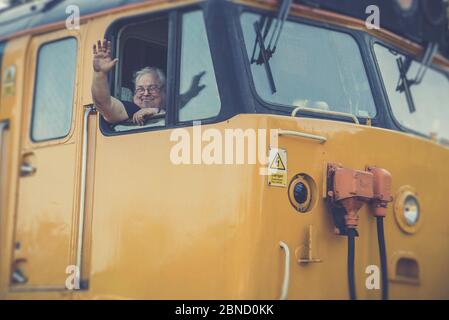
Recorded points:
(102, 57)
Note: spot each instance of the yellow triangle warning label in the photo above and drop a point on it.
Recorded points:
(277, 163)
(10, 74)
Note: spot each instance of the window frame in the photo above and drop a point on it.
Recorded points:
(389, 46)
(356, 35)
(178, 105)
(2, 53)
(63, 138)
(123, 38)
(174, 17)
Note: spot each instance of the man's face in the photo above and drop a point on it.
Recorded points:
(148, 92)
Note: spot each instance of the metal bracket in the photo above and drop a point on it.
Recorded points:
(309, 257)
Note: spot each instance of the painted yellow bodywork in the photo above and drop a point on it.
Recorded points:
(155, 230)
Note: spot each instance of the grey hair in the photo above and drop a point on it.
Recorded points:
(153, 71)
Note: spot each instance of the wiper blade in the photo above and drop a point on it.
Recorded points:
(265, 58)
(404, 83)
(262, 29)
(265, 27)
(264, 24)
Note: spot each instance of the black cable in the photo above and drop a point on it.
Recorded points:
(351, 254)
(383, 257)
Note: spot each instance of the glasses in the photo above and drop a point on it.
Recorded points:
(151, 89)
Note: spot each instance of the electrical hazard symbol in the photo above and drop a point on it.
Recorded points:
(277, 163)
(277, 170)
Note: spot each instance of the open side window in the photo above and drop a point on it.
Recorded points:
(175, 43)
(140, 44)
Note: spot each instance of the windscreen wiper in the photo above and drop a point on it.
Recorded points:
(264, 56)
(262, 29)
(404, 84)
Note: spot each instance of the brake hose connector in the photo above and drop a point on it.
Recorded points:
(381, 189)
(348, 189)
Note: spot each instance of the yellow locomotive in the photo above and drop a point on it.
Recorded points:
(346, 101)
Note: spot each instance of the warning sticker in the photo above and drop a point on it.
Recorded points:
(277, 169)
(9, 82)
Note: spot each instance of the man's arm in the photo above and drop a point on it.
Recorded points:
(110, 108)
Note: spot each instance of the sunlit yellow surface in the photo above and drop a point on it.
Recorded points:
(155, 230)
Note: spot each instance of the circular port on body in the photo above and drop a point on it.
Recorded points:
(407, 210)
(302, 192)
(411, 210)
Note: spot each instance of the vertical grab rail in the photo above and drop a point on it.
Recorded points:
(79, 246)
(286, 281)
(4, 124)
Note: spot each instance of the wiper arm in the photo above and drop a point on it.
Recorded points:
(404, 83)
(282, 16)
(431, 51)
(262, 29)
(265, 27)
(265, 58)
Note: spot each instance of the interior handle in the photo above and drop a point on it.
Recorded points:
(27, 169)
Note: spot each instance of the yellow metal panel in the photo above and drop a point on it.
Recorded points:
(12, 110)
(192, 231)
(161, 230)
(46, 209)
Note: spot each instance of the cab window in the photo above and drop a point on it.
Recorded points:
(198, 92)
(140, 44)
(431, 96)
(54, 89)
(311, 67)
(146, 44)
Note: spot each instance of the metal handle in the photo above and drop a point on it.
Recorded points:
(321, 139)
(326, 112)
(285, 283)
(79, 246)
(18, 277)
(315, 137)
(27, 169)
(4, 125)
